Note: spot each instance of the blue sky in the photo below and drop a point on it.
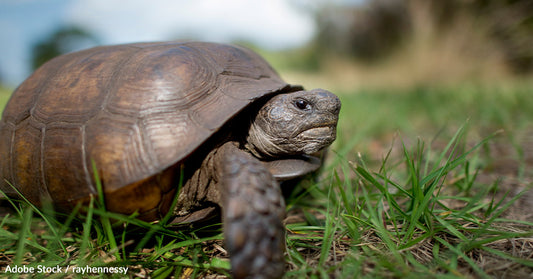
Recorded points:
(22, 24)
(273, 24)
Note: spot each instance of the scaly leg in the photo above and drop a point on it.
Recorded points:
(253, 210)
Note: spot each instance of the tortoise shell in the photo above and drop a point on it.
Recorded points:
(133, 110)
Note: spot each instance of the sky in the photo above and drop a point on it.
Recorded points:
(272, 24)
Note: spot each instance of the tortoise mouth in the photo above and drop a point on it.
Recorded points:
(316, 138)
(318, 132)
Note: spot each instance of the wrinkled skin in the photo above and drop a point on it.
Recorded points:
(287, 125)
(302, 122)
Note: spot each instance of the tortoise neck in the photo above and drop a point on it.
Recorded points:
(261, 144)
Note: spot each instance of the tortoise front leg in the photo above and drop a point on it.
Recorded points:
(253, 210)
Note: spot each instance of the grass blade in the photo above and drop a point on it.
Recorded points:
(24, 234)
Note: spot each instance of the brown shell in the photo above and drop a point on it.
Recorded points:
(134, 110)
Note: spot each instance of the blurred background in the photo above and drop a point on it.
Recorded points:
(417, 67)
(344, 43)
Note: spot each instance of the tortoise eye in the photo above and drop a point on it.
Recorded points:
(302, 104)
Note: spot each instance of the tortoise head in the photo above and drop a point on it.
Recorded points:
(294, 123)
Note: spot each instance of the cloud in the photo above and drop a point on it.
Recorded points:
(271, 24)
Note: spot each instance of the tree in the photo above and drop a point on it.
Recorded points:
(64, 40)
(372, 30)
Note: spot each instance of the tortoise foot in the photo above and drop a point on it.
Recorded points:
(253, 210)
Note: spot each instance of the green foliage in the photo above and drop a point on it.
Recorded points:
(376, 29)
(62, 41)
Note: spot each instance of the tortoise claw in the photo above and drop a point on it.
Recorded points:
(253, 210)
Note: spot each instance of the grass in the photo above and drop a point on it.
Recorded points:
(414, 187)
(421, 215)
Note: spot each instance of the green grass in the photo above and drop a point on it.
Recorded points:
(404, 194)
(420, 215)
(426, 112)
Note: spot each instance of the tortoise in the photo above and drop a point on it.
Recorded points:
(147, 113)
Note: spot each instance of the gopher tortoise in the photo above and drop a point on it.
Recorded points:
(146, 113)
